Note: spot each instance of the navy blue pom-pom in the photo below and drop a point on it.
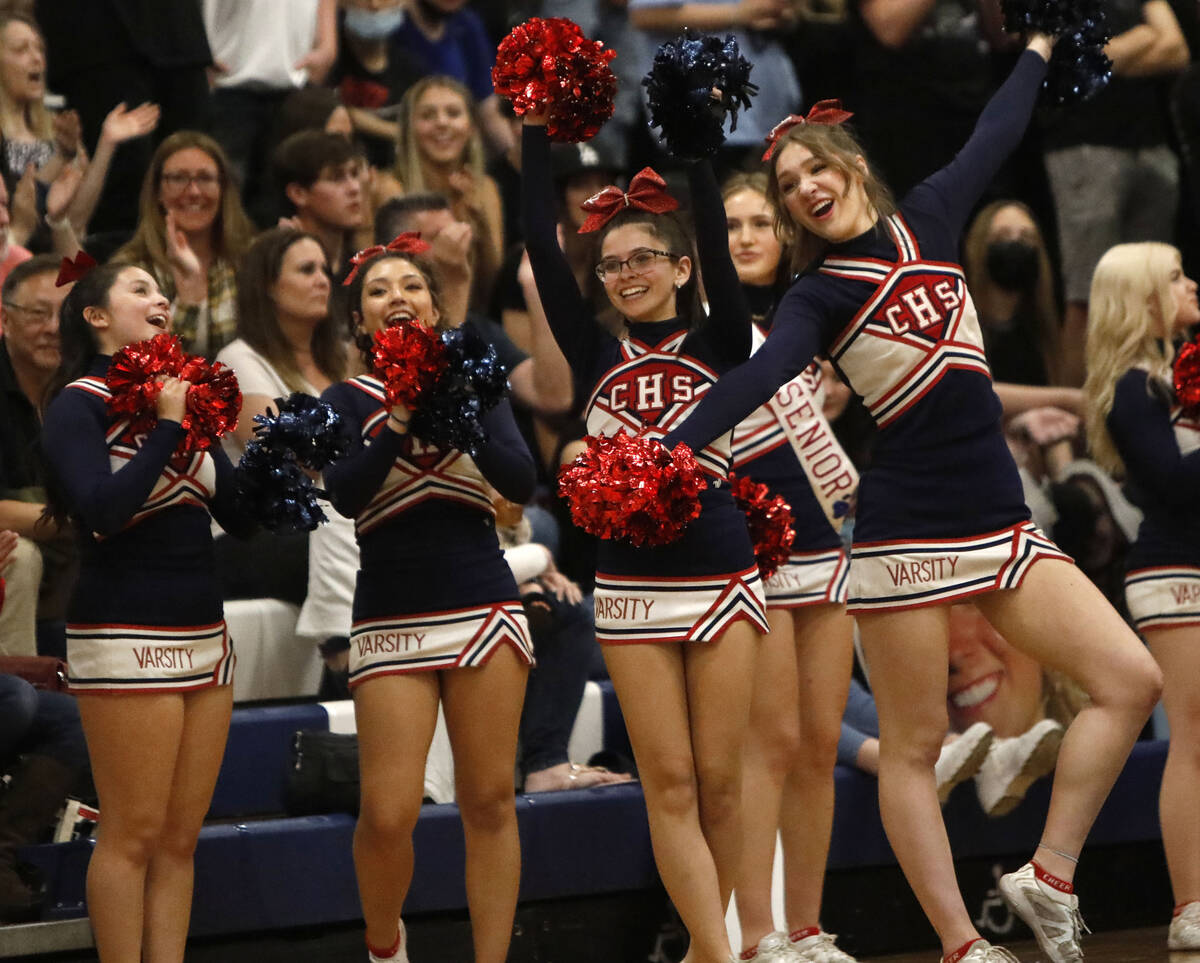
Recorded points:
(1079, 68)
(306, 426)
(303, 433)
(274, 488)
(474, 382)
(679, 92)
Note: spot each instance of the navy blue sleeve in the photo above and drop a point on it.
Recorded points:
(225, 505)
(957, 187)
(569, 314)
(73, 437)
(728, 326)
(505, 461)
(352, 481)
(794, 341)
(1140, 425)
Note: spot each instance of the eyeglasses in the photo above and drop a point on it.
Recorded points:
(639, 262)
(37, 313)
(179, 180)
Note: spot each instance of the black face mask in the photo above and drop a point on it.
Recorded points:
(1013, 265)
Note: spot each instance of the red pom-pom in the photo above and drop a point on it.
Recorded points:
(135, 379)
(213, 403)
(409, 358)
(136, 374)
(770, 520)
(549, 63)
(1187, 376)
(632, 487)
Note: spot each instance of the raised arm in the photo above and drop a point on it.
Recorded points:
(1140, 426)
(959, 185)
(728, 310)
(352, 481)
(568, 313)
(73, 436)
(505, 461)
(794, 341)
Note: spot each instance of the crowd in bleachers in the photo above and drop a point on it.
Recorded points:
(242, 151)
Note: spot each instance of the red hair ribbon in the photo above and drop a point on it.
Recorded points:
(647, 192)
(408, 243)
(69, 270)
(822, 112)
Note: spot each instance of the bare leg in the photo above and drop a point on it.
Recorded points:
(1061, 619)
(772, 745)
(396, 716)
(133, 741)
(654, 692)
(1178, 652)
(168, 906)
(825, 655)
(483, 713)
(720, 682)
(908, 656)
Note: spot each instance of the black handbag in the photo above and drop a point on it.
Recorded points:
(323, 776)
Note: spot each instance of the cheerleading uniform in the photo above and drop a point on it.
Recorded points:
(1160, 446)
(694, 588)
(146, 613)
(433, 590)
(768, 446)
(940, 512)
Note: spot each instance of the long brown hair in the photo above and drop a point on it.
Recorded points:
(983, 288)
(835, 145)
(258, 322)
(232, 230)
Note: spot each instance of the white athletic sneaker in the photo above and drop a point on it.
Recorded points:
(401, 954)
(961, 759)
(1053, 916)
(1184, 933)
(775, 948)
(983, 952)
(821, 948)
(1013, 765)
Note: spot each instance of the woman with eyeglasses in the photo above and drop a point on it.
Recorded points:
(191, 233)
(680, 623)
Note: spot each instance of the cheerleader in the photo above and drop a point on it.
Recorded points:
(436, 617)
(940, 512)
(680, 623)
(1141, 302)
(803, 673)
(151, 661)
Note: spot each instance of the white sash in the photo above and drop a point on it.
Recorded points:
(796, 408)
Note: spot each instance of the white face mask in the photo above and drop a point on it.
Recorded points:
(373, 24)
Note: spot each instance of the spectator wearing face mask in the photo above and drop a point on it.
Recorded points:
(1012, 284)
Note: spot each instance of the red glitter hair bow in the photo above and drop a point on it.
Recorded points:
(822, 112)
(408, 243)
(647, 192)
(72, 270)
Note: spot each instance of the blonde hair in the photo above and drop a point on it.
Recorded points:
(410, 168)
(836, 146)
(36, 115)
(232, 231)
(1130, 311)
(983, 288)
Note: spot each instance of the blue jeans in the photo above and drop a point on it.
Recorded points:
(860, 722)
(40, 723)
(564, 658)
